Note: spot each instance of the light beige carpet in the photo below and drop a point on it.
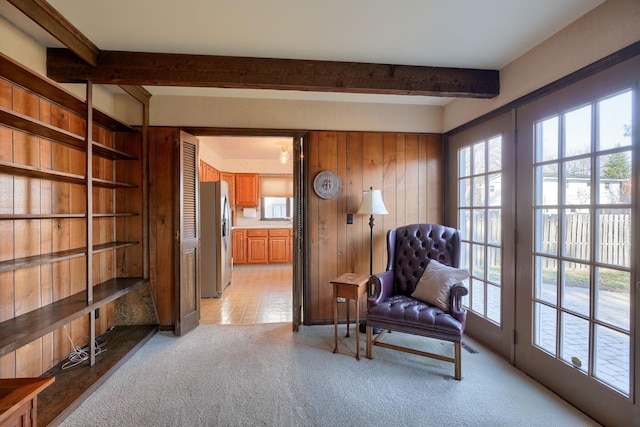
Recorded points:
(267, 375)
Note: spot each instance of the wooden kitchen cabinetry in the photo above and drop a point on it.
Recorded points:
(231, 180)
(247, 190)
(239, 243)
(279, 247)
(257, 248)
(262, 245)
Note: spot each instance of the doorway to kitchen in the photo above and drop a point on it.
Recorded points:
(260, 173)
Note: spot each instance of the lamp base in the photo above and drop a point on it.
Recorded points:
(363, 328)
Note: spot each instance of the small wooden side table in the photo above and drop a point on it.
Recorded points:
(349, 286)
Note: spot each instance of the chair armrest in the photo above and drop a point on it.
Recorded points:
(380, 287)
(456, 293)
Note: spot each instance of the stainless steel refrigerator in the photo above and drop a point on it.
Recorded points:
(215, 244)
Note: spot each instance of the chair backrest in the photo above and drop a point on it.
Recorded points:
(410, 248)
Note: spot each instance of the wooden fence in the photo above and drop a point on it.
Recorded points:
(613, 239)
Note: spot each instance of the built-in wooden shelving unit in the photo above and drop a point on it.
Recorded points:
(77, 216)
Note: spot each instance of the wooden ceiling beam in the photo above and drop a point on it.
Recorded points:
(43, 14)
(163, 69)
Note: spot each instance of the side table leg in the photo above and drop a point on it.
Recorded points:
(357, 328)
(347, 302)
(335, 321)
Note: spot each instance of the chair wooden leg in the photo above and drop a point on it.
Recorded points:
(458, 360)
(369, 342)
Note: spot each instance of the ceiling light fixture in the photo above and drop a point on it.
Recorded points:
(284, 153)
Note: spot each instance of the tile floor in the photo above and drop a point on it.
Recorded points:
(257, 294)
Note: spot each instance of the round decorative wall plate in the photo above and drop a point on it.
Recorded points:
(327, 184)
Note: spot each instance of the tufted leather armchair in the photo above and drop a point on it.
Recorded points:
(390, 305)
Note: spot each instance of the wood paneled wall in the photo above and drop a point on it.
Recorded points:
(27, 289)
(408, 170)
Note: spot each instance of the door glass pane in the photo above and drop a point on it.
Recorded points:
(493, 303)
(546, 231)
(479, 158)
(478, 225)
(614, 178)
(495, 190)
(464, 162)
(495, 154)
(577, 132)
(612, 358)
(477, 296)
(545, 328)
(575, 341)
(576, 225)
(546, 141)
(613, 237)
(479, 190)
(494, 227)
(576, 291)
(614, 121)
(478, 261)
(464, 192)
(546, 279)
(547, 185)
(464, 222)
(577, 182)
(494, 264)
(613, 301)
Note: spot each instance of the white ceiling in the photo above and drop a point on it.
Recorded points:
(485, 34)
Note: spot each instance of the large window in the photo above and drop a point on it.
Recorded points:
(276, 208)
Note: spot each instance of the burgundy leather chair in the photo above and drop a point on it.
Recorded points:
(390, 304)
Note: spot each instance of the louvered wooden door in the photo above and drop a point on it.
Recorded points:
(187, 235)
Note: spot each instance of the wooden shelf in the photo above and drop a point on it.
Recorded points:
(32, 261)
(44, 130)
(25, 328)
(72, 386)
(111, 184)
(15, 72)
(40, 216)
(40, 129)
(114, 215)
(112, 245)
(34, 172)
(111, 153)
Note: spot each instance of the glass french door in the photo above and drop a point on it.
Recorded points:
(482, 207)
(576, 221)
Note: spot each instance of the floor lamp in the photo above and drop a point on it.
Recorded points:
(371, 204)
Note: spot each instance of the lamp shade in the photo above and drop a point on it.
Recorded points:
(372, 203)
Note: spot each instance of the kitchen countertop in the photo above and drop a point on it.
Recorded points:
(240, 227)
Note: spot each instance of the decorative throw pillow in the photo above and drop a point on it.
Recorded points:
(435, 283)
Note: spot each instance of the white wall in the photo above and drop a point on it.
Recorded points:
(28, 52)
(609, 27)
(293, 114)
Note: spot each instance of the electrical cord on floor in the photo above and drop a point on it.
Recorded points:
(80, 354)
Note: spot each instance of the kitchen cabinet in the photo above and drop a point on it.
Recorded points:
(208, 173)
(257, 248)
(279, 247)
(231, 179)
(239, 243)
(247, 190)
(262, 245)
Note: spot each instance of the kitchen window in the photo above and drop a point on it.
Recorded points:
(276, 208)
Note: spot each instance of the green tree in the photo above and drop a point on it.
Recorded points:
(617, 166)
